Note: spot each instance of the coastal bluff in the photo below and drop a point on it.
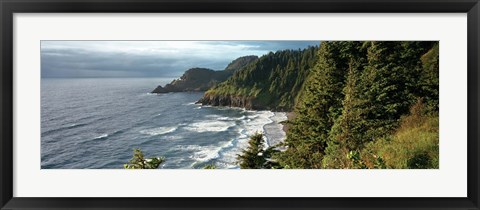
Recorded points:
(202, 79)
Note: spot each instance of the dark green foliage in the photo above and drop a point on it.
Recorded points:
(389, 85)
(252, 157)
(356, 94)
(239, 63)
(319, 105)
(209, 166)
(256, 156)
(272, 82)
(429, 78)
(139, 162)
(421, 160)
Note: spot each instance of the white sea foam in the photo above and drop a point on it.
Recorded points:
(200, 153)
(188, 104)
(253, 122)
(241, 118)
(219, 117)
(209, 126)
(257, 122)
(173, 137)
(205, 154)
(225, 154)
(158, 131)
(274, 131)
(102, 136)
(214, 116)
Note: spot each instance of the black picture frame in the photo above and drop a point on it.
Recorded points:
(9, 7)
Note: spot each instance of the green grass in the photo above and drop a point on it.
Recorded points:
(415, 144)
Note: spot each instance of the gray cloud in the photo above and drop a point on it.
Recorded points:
(147, 59)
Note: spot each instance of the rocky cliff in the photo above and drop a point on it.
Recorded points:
(230, 101)
(201, 79)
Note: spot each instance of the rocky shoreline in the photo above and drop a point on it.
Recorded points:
(230, 101)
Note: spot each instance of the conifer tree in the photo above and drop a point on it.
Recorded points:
(253, 157)
(388, 85)
(138, 161)
(320, 104)
(348, 129)
(429, 79)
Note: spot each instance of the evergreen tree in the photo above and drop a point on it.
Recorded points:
(138, 161)
(254, 157)
(347, 132)
(320, 105)
(429, 79)
(388, 85)
(210, 166)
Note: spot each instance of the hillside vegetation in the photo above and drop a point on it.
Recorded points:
(357, 104)
(270, 83)
(368, 105)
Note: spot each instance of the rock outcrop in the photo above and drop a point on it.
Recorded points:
(230, 101)
(201, 79)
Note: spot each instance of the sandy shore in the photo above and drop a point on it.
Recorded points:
(274, 130)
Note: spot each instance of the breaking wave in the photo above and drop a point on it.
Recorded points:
(158, 131)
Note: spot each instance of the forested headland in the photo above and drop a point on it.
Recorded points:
(273, 82)
(201, 79)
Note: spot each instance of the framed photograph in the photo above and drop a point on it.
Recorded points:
(239, 104)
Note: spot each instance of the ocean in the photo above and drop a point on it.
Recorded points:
(96, 124)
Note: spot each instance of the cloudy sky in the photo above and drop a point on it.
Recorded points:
(66, 59)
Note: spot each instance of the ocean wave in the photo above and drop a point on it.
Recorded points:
(210, 126)
(257, 122)
(219, 117)
(71, 126)
(274, 131)
(279, 117)
(215, 116)
(103, 136)
(74, 125)
(203, 154)
(200, 153)
(189, 104)
(173, 137)
(158, 131)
